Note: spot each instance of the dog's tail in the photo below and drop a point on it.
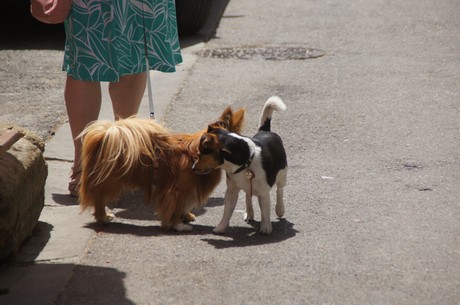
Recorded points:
(273, 103)
(115, 148)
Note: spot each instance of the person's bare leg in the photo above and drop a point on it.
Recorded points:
(126, 95)
(83, 103)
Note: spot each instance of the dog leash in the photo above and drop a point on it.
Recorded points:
(149, 88)
(149, 83)
(249, 173)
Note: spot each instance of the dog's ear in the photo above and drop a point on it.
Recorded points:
(212, 128)
(224, 122)
(237, 121)
(226, 118)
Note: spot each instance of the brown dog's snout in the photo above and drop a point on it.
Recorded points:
(194, 166)
(200, 167)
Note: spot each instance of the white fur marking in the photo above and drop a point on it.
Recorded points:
(182, 227)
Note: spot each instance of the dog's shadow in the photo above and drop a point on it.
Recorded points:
(132, 207)
(122, 228)
(237, 237)
(234, 237)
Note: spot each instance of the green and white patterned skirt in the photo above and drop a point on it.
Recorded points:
(106, 39)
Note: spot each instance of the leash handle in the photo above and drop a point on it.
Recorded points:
(149, 89)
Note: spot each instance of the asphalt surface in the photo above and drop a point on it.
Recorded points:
(372, 136)
(31, 56)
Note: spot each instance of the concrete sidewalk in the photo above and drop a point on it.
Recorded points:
(62, 237)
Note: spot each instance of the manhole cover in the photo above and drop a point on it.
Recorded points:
(263, 53)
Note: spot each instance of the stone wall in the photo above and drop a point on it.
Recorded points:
(23, 173)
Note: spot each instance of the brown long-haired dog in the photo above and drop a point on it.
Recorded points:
(139, 153)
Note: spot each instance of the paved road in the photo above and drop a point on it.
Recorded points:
(371, 132)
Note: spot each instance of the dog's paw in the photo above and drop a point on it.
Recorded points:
(182, 227)
(279, 210)
(249, 216)
(219, 230)
(266, 228)
(189, 217)
(106, 218)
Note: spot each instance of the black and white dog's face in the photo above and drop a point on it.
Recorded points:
(217, 147)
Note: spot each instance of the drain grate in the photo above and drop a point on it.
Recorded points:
(263, 53)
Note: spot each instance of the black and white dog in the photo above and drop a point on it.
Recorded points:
(252, 164)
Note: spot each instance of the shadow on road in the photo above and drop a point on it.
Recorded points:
(104, 285)
(34, 245)
(131, 207)
(235, 237)
(238, 237)
(64, 199)
(19, 285)
(20, 31)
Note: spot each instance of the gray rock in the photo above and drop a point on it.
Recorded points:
(23, 173)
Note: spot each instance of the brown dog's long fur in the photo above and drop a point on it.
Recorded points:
(136, 153)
